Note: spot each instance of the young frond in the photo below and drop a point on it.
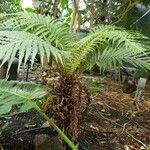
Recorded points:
(14, 93)
(79, 50)
(23, 44)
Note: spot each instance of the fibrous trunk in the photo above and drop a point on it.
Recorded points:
(64, 104)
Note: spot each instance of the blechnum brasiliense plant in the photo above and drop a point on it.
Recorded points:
(26, 34)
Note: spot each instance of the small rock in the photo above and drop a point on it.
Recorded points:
(46, 142)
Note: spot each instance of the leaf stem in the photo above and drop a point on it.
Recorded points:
(56, 128)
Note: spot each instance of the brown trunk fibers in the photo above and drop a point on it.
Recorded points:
(65, 103)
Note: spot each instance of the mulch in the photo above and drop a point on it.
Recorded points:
(114, 122)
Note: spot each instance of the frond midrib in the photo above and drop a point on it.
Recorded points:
(18, 95)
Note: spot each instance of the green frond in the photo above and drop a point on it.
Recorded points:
(22, 94)
(101, 46)
(44, 27)
(78, 51)
(109, 46)
(24, 44)
(112, 57)
(119, 37)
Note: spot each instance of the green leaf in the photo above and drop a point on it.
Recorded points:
(21, 94)
(4, 109)
(44, 27)
(107, 46)
(29, 9)
(26, 44)
(26, 106)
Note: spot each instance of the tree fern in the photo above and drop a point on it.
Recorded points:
(26, 33)
(105, 45)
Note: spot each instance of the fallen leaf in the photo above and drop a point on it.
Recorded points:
(94, 127)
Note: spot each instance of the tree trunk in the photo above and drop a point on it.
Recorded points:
(64, 105)
(92, 12)
(55, 8)
(74, 19)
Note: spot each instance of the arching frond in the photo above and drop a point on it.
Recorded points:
(14, 93)
(112, 57)
(78, 51)
(119, 37)
(24, 44)
(46, 28)
(108, 46)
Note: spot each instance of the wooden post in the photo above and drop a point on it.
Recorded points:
(139, 91)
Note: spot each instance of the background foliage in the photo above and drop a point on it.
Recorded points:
(10, 6)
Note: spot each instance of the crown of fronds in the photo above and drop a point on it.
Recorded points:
(105, 45)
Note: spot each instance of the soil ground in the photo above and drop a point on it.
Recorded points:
(113, 122)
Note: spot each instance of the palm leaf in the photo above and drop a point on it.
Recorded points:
(14, 93)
